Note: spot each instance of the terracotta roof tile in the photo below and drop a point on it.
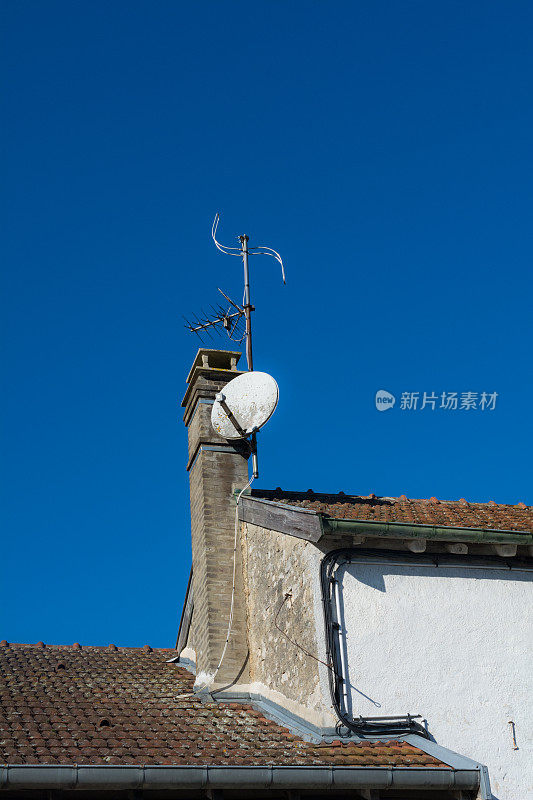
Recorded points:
(452, 513)
(126, 706)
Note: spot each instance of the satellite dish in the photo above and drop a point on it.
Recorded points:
(244, 405)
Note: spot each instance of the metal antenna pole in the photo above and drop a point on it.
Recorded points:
(248, 308)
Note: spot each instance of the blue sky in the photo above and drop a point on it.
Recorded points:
(383, 148)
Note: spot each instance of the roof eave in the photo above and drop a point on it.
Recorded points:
(311, 525)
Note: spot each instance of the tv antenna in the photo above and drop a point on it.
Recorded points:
(248, 401)
(236, 319)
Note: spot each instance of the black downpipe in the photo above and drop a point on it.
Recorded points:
(362, 726)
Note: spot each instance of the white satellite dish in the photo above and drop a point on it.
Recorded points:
(244, 405)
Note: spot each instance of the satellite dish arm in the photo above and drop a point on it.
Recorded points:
(221, 398)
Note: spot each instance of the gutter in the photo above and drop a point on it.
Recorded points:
(402, 530)
(14, 777)
(456, 761)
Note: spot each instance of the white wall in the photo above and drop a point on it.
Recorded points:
(453, 644)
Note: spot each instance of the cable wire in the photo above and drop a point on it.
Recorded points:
(364, 726)
(232, 605)
(286, 635)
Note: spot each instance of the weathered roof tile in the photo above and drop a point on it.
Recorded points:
(452, 513)
(136, 693)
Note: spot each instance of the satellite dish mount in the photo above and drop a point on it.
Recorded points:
(243, 406)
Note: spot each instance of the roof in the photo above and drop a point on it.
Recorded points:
(453, 513)
(97, 705)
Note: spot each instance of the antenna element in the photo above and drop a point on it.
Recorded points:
(231, 319)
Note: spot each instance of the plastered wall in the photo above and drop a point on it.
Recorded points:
(455, 645)
(275, 564)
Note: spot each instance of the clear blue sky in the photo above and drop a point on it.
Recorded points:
(383, 148)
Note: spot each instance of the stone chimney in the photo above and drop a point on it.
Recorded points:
(217, 469)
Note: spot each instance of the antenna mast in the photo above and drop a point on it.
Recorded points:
(248, 308)
(230, 320)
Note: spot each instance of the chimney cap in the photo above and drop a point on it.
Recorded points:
(215, 359)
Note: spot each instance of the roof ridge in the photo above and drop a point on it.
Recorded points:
(310, 493)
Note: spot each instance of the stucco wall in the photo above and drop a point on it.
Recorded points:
(274, 564)
(453, 644)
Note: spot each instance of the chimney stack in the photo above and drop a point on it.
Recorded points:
(217, 469)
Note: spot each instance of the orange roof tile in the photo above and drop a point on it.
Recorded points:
(452, 513)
